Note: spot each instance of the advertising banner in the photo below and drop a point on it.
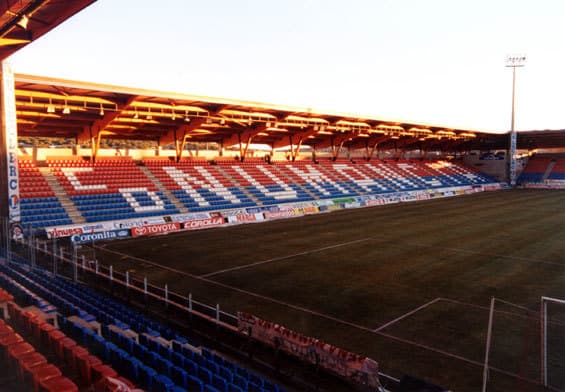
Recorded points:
(227, 213)
(160, 228)
(359, 369)
(286, 213)
(99, 236)
(310, 210)
(63, 231)
(324, 202)
(130, 223)
(491, 187)
(375, 202)
(302, 204)
(243, 218)
(248, 217)
(255, 210)
(204, 223)
(69, 230)
(344, 200)
(10, 136)
(189, 217)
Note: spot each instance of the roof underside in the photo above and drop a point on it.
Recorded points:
(24, 21)
(82, 111)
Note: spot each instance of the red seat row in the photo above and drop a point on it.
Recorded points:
(33, 368)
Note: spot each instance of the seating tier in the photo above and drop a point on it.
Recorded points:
(39, 205)
(110, 189)
(116, 188)
(143, 350)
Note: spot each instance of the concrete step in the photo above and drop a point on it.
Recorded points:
(64, 199)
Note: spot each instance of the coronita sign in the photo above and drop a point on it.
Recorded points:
(103, 235)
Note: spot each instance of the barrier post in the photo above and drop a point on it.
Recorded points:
(218, 322)
(190, 306)
(127, 287)
(145, 289)
(74, 260)
(166, 296)
(36, 248)
(31, 252)
(111, 279)
(54, 254)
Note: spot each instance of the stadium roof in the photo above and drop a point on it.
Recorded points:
(23, 21)
(88, 111)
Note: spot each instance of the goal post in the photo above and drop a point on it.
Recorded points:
(552, 315)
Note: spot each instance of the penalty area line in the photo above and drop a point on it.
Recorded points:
(332, 318)
(271, 260)
(407, 314)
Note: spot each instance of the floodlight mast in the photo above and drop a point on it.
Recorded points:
(513, 61)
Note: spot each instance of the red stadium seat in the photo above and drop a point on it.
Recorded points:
(57, 384)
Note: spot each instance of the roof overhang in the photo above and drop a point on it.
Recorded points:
(74, 109)
(24, 21)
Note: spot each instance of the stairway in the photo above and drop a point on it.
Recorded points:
(247, 193)
(64, 199)
(176, 202)
(548, 170)
(281, 173)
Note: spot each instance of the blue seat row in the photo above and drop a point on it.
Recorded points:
(34, 204)
(181, 364)
(27, 211)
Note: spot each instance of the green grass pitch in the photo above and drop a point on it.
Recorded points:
(345, 276)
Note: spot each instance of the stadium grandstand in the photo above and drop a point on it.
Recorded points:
(87, 166)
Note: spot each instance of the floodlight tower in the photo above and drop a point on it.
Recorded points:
(513, 61)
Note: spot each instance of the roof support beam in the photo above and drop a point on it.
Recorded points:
(100, 124)
(298, 138)
(95, 143)
(336, 144)
(245, 137)
(406, 142)
(336, 150)
(371, 146)
(295, 141)
(179, 136)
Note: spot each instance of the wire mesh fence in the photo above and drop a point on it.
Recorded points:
(78, 263)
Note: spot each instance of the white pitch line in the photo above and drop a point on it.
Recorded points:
(407, 314)
(306, 252)
(340, 321)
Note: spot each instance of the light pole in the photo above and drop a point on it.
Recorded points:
(513, 61)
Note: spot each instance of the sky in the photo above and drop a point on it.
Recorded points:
(440, 62)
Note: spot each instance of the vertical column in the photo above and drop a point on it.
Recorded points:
(9, 185)
(512, 152)
(513, 61)
(512, 159)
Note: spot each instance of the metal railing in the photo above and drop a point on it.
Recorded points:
(67, 260)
